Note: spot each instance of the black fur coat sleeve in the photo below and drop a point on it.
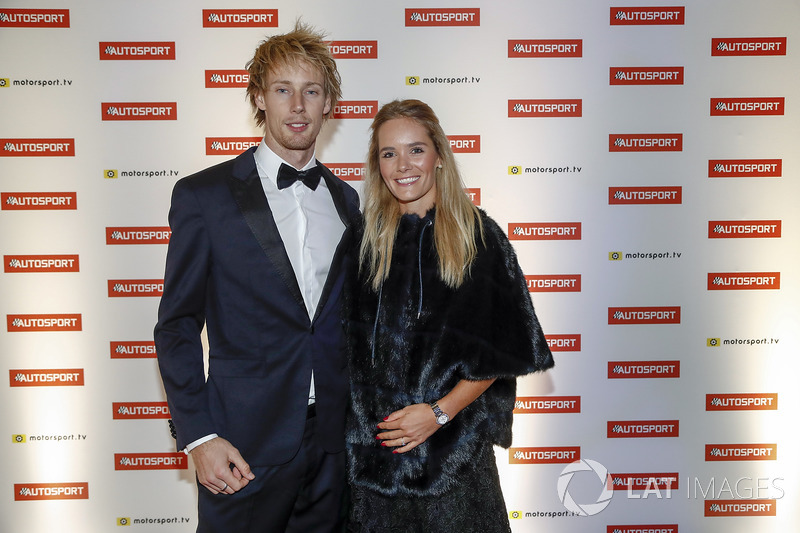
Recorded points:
(415, 339)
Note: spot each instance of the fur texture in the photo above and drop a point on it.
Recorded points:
(427, 337)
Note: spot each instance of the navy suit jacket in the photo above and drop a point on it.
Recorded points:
(227, 268)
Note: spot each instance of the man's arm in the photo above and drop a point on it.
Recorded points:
(181, 316)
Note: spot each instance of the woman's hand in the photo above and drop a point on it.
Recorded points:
(407, 428)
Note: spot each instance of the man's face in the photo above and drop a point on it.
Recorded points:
(294, 102)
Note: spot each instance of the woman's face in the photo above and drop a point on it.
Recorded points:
(408, 164)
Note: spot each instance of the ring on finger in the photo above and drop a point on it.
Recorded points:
(403, 441)
(223, 489)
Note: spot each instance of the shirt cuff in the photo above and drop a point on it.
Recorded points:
(192, 445)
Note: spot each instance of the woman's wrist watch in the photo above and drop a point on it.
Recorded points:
(441, 417)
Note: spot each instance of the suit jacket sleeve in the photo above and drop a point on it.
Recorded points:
(181, 317)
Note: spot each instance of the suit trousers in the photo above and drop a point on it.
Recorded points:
(305, 495)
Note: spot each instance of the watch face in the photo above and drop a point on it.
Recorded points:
(442, 419)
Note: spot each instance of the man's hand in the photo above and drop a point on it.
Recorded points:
(220, 467)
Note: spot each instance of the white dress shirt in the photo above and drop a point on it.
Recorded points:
(310, 229)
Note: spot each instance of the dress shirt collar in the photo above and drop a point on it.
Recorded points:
(269, 162)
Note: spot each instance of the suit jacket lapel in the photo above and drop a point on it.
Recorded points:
(245, 185)
(340, 202)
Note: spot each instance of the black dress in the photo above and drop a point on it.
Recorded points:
(411, 342)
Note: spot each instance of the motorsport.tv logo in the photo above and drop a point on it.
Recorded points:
(586, 487)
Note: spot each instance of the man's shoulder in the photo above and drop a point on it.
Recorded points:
(240, 165)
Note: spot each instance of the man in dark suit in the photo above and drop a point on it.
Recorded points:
(257, 256)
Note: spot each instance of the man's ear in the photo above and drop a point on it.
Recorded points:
(327, 108)
(259, 100)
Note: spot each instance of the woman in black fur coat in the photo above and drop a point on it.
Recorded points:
(440, 323)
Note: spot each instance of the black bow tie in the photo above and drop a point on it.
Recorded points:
(288, 175)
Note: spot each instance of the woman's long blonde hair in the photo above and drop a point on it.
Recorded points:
(457, 218)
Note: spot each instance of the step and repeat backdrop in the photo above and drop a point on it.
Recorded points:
(642, 156)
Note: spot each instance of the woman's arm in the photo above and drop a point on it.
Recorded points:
(412, 425)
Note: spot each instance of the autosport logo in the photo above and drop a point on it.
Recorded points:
(645, 76)
(133, 349)
(37, 147)
(221, 79)
(355, 109)
(749, 46)
(138, 235)
(51, 377)
(744, 229)
(347, 171)
(719, 508)
(741, 452)
(465, 144)
(649, 481)
(139, 410)
(602, 484)
(547, 404)
(643, 369)
(443, 17)
(649, 528)
(742, 402)
(729, 107)
(150, 461)
(26, 323)
(545, 108)
(544, 455)
(354, 49)
(720, 281)
(632, 16)
(41, 263)
(50, 491)
(230, 145)
(150, 51)
(644, 195)
(554, 283)
(21, 201)
(745, 168)
(645, 142)
(34, 18)
(545, 48)
(121, 288)
(240, 18)
(644, 315)
(474, 194)
(564, 343)
(544, 231)
(636, 429)
(139, 110)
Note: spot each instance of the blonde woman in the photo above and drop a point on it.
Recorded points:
(439, 325)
